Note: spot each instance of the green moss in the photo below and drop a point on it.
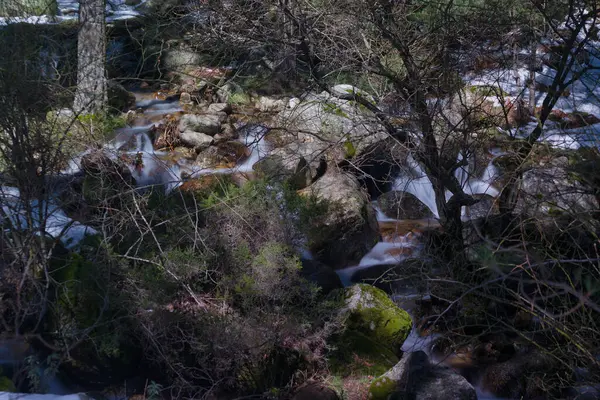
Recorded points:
(6, 385)
(239, 99)
(488, 91)
(381, 388)
(374, 313)
(375, 330)
(350, 149)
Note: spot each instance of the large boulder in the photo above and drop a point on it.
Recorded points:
(516, 378)
(209, 124)
(374, 330)
(403, 205)
(341, 128)
(119, 99)
(287, 165)
(349, 229)
(414, 377)
(551, 189)
(371, 313)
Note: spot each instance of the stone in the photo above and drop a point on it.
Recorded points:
(372, 313)
(223, 155)
(345, 90)
(315, 391)
(414, 377)
(289, 166)
(196, 139)
(209, 124)
(268, 104)
(514, 378)
(118, 97)
(185, 98)
(349, 229)
(216, 108)
(332, 123)
(403, 205)
(99, 163)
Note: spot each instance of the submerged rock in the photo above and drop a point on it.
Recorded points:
(349, 229)
(414, 377)
(403, 205)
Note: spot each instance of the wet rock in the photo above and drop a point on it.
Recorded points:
(209, 124)
(100, 164)
(216, 108)
(228, 132)
(403, 205)
(224, 155)
(515, 378)
(402, 278)
(348, 230)
(118, 97)
(196, 139)
(315, 391)
(578, 120)
(321, 275)
(414, 377)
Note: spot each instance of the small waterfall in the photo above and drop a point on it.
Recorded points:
(57, 223)
(417, 183)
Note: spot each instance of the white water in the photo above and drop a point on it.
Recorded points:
(418, 183)
(56, 223)
(116, 10)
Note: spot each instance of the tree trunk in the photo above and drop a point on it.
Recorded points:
(91, 95)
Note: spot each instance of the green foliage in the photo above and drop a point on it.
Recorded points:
(488, 91)
(15, 8)
(106, 123)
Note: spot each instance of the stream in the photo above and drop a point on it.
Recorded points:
(401, 238)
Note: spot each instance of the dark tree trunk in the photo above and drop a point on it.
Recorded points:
(91, 95)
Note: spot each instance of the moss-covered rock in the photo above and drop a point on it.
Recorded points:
(372, 313)
(375, 329)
